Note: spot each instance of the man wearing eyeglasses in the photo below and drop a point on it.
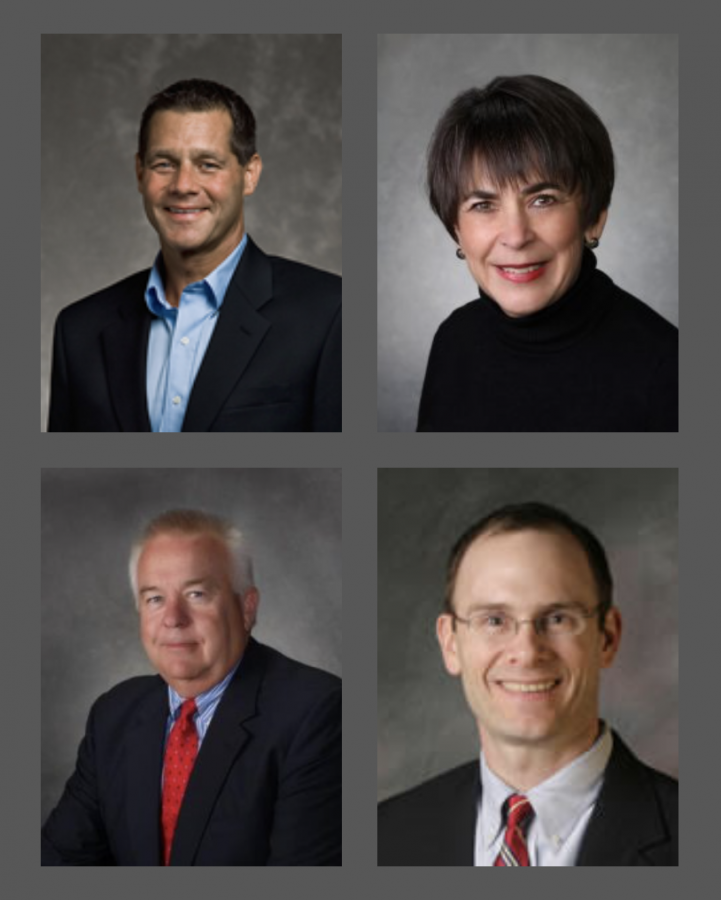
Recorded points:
(528, 625)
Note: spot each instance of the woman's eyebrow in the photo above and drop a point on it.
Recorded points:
(479, 194)
(541, 186)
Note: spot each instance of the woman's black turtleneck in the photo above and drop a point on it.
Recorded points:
(597, 359)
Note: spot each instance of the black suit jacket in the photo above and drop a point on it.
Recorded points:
(634, 822)
(265, 789)
(272, 364)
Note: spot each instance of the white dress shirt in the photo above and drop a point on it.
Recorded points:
(563, 804)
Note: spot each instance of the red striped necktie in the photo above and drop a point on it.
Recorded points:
(180, 753)
(514, 851)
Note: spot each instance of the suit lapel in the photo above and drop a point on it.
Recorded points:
(144, 767)
(238, 333)
(125, 347)
(626, 823)
(225, 740)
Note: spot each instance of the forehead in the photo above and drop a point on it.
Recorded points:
(180, 556)
(508, 173)
(524, 566)
(172, 128)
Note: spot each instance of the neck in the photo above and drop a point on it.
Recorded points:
(523, 765)
(182, 269)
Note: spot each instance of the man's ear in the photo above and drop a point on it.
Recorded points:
(139, 172)
(249, 604)
(251, 175)
(448, 641)
(611, 637)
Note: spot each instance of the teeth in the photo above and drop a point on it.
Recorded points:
(528, 688)
(173, 210)
(522, 271)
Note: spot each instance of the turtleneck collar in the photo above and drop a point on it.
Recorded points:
(558, 325)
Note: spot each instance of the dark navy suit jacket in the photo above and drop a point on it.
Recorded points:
(265, 789)
(273, 362)
(634, 822)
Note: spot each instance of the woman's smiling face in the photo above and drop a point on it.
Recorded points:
(523, 243)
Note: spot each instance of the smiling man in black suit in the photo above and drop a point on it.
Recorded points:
(217, 336)
(528, 626)
(258, 734)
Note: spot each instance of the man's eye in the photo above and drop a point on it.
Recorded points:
(493, 621)
(196, 595)
(210, 166)
(151, 601)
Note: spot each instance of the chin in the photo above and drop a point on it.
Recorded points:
(526, 307)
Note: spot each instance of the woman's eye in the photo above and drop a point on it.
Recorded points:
(545, 200)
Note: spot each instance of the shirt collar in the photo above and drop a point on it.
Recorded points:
(202, 701)
(558, 802)
(214, 286)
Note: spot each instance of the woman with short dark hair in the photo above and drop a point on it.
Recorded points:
(521, 174)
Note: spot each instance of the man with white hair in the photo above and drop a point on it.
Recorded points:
(232, 755)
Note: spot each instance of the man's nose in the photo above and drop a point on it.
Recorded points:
(175, 612)
(184, 181)
(527, 643)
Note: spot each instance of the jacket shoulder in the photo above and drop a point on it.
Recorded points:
(426, 796)
(298, 681)
(431, 824)
(97, 307)
(126, 694)
(289, 275)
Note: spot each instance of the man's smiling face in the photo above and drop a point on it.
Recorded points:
(193, 185)
(194, 623)
(526, 573)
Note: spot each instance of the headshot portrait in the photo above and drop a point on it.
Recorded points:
(197, 287)
(191, 690)
(529, 716)
(528, 231)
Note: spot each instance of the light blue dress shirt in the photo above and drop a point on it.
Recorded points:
(563, 805)
(206, 703)
(179, 338)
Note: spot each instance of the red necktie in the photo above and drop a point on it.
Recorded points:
(180, 753)
(514, 851)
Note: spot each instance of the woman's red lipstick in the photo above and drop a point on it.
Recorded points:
(522, 277)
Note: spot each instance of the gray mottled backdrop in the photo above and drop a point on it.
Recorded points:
(632, 82)
(291, 517)
(94, 89)
(424, 725)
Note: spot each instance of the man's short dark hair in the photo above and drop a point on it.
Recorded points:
(518, 128)
(535, 517)
(198, 95)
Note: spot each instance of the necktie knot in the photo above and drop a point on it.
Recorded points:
(519, 813)
(518, 816)
(187, 711)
